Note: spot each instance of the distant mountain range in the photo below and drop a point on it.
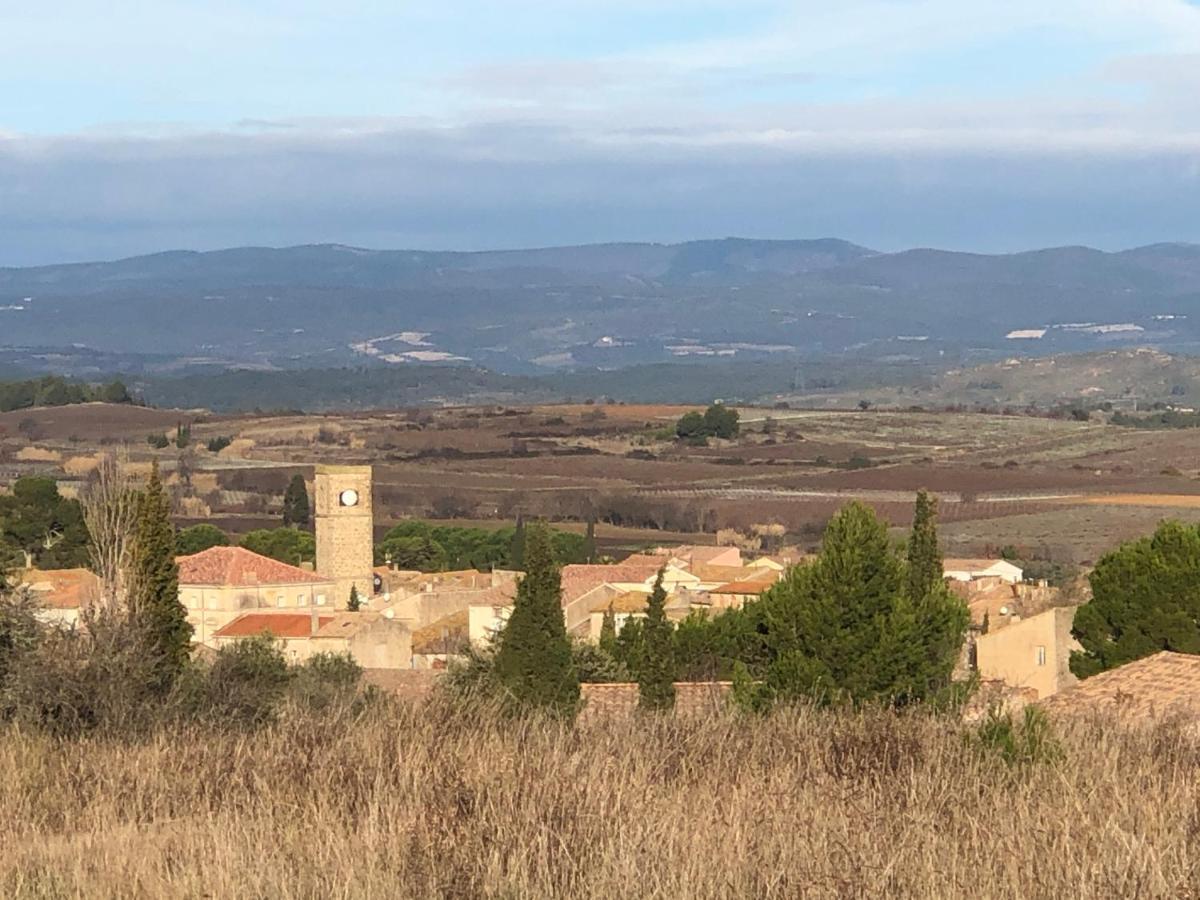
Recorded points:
(600, 306)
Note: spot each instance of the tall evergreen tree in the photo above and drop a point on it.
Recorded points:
(354, 604)
(589, 541)
(608, 632)
(925, 571)
(942, 617)
(534, 663)
(516, 547)
(154, 584)
(656, 677)
(845, 626)
(296, 508)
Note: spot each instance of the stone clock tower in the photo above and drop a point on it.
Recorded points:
(345, 530)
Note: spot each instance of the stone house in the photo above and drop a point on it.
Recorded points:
(221, 583)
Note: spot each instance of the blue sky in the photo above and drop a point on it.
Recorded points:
(130, 127)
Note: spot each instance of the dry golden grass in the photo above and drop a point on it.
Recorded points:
(81, 465)
(37, 454)
(433, 802)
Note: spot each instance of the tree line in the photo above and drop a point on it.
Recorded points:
(54, 390)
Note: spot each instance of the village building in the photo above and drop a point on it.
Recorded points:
(370, 639)
(1032, 653)
(735, 594)
(434, 645)
(221, 583)
(972, 570)
(632, 605)
(61, 595)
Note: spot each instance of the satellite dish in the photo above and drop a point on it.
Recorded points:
(1004, 610)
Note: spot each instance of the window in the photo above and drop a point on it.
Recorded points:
(1041, 656)
(301, 600)
(280, 600)
(320, 599)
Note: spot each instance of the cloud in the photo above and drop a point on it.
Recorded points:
(514, 186)
(988, 124)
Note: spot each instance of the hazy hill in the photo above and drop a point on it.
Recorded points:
(602, 306)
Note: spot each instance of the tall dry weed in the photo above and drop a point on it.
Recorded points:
(452, 800)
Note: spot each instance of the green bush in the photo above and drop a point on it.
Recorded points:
(325, 680)
(1029, 742)
(245, 683)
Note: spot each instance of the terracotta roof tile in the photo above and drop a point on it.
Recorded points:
(280, 625)
(1163, 684)
(239, 567)
(62, 588)
(578, 580)
(345, 624)
(744, 587)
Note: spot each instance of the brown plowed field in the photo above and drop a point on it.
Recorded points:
(1076, 483)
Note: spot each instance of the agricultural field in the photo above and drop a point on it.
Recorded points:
(1054, 487)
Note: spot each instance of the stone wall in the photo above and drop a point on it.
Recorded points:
(691, 698)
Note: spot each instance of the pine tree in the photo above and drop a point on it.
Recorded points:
(1144, 600)
(844, 626)
(516, 547)
(656, 678)
(589, 541)
(354, 604)
(534, 663)
(608, 632)
(296, 509)
(154, 584)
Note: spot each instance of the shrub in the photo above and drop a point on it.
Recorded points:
(217, 444)
(74, 681)
(595, 665)
(244, 685)
(324, 681)
(1029, 742)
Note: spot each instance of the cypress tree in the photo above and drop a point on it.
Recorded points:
(154, 584)
(589, 541)
(534, 663)
(516, 547)
(656, 678)
(925, 570)
(354, 604)
(941, 616)
(296, 509)
(608, 632)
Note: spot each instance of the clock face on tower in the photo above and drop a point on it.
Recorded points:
(348, 497)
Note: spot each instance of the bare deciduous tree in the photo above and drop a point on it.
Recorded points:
(110, 502)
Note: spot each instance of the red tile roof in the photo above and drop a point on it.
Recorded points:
(578, 580)
(280, 625)
(1164, 684)
(62, 588)
(744, 587)
(239, 567)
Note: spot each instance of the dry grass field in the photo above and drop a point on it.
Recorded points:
(430, 801)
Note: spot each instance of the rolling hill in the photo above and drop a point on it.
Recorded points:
(591, 307)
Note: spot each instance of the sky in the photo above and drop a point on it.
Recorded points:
(135, 126)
